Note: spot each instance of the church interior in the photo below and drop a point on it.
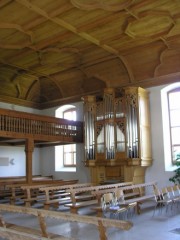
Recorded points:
(113, 64)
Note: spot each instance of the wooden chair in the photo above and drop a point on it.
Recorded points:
(131, 210)
(107, 201)
(162, 200)
(174, 194)
(112, 208)
(120, 196)
(119, 212)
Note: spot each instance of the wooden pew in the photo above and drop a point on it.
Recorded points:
(21, 179)
(127, 195)
(94, 192)
(18, 193)
(5, 182)
(35, 192)
(23, 191)
(141, 190)
(54, 195)
(14, 231)
(100, 190)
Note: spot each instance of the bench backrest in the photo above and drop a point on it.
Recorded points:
(65, 186)
(22, 179)
(140, 188)
(42, 215)
(96, 190)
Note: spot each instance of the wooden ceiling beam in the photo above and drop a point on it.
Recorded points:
(106, 5)
(5, 3)
(74, 30)
(33, 73)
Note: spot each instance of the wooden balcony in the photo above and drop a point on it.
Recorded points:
(16, 126)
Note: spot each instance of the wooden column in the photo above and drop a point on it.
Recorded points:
(29, 148)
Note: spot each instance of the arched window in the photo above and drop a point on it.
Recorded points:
(65, 155)
(170, 97)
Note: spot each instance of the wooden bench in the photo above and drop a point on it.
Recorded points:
(27, 193)
(135, 193)
(141, 190)
(19, 192)
(75, 206)
(33, 194)
(14, 231)
(7, 182)
(100, 190)
(5, 194)
(95, 192)
(53, 197)
(4, 181)
(36, 193)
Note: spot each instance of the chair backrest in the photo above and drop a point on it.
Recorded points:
(171, 191)
(119, 195)
(165, 193)
(157, 193)
(176, 190)
(107, 199)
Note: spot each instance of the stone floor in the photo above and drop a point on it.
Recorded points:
(146, 226)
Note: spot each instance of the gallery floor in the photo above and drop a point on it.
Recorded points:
(146, 226)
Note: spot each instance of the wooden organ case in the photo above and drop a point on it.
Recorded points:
(117, 135)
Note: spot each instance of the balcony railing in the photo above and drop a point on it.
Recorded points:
(20, 124)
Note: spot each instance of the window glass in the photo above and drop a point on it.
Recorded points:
(65, 155)
(69, 151)
(70, 114)
(70, 155)
(174, 116)
(170, 99)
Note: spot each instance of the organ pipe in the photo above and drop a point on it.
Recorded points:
(111, 125)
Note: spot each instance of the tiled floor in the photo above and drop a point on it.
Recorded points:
(145, 226)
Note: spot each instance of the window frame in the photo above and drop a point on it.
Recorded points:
(167, 143)
(175, 90)
(73, 152)
(73, 156)
(59, 150)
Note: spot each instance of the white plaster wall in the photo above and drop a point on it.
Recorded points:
(48, 154)
(48, 165)
(19, 108)
(16, 155)
(157, 170)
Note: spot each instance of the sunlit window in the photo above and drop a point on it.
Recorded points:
(174, 116)
(65, 155)
(69, 151)
(170, 99)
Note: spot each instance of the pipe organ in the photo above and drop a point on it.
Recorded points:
(117, 134)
